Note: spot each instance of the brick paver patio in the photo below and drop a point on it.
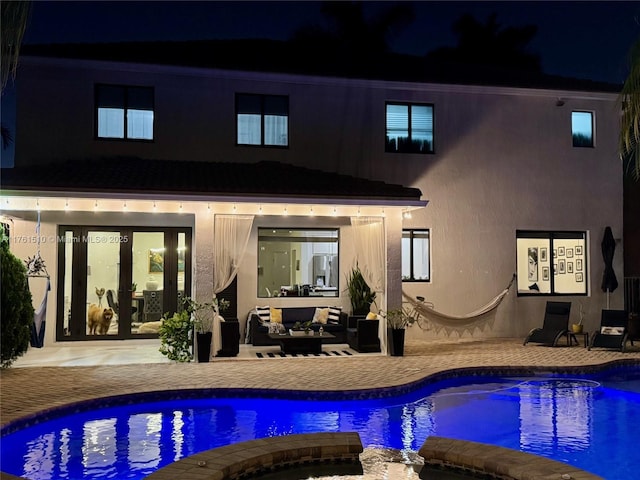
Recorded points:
(27, 391)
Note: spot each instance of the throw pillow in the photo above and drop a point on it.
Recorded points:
(371, 316)
(334, 314)
(264, 313)
(321, 315)
(276, 315)
(612, 330)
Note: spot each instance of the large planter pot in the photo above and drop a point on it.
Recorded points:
(362, 311)
(396, 341)
(204, 346)
(633, 328)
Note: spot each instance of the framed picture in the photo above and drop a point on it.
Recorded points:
(579, 250)
(545, 274)
(569, 267)
(156, 261)
(578, 265)
(569, 252)
(532, 264)
(543, 254)
(579, 277)
(555, 268)
(561, 265)
(561, 251)
(555, 253)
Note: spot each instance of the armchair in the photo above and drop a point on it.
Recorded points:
(362, 334)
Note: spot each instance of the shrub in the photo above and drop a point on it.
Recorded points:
(16, 314)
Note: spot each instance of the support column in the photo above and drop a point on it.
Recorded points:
(393, 243)
(202, 287)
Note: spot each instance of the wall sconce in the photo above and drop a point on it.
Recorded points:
(559, 102)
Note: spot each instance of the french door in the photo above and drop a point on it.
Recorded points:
(117, 282)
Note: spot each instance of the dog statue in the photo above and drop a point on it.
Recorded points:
(99, 293)
(99, 319)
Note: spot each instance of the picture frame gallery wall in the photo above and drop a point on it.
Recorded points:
(551, 263)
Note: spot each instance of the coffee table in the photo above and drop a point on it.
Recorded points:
(311, 343)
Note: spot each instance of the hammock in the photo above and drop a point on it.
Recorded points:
(440, 320)
(36, 268)
(39, 318)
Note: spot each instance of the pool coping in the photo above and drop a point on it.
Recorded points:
(304, 394)
(496, 462)
(244, 459)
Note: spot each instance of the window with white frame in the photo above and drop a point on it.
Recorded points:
(262, 120)
(409, 128)
(124, 112)
(551, 263)
(415, 256)
(582, 129)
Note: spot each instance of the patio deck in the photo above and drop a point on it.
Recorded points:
(98, 371)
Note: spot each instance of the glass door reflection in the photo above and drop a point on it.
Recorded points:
(103, 273)
(147, 270)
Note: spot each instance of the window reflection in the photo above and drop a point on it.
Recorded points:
(298, 262)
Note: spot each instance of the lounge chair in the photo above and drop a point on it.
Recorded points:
(554, 326)
(613, 330)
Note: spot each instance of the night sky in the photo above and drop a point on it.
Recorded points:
(579, 39)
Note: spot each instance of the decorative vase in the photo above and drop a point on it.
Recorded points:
(396, 341)
(204, 346)
(576, 328)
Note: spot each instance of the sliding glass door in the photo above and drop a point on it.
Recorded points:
(118, 282)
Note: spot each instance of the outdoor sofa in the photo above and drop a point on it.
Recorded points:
(260, 321)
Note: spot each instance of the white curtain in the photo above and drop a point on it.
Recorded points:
(275, 129)
(249, 129)
(369, 238)
(230, 237)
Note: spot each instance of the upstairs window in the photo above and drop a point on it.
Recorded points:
(415, 256)
(262, 120)
(409, 128)
(582, 129)
(124, 112)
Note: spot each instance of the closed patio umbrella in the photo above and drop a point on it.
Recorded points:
(609, 280)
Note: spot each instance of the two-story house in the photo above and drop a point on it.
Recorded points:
(179, 176)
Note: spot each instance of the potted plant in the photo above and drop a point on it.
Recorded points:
(203, 315)
(134, 287)
(360, 294)
(305, 328)
(398, 320)
(175, 336)
(577, 327)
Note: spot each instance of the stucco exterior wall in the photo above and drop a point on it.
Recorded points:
(503, 161)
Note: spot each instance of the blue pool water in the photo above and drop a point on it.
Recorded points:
(587, 421)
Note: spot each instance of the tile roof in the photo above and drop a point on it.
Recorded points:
(191, 178)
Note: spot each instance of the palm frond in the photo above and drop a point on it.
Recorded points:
(14, 23)
(630, 121)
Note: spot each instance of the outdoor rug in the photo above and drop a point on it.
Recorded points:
(324, 353)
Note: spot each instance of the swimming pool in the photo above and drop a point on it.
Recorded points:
(588, 421)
